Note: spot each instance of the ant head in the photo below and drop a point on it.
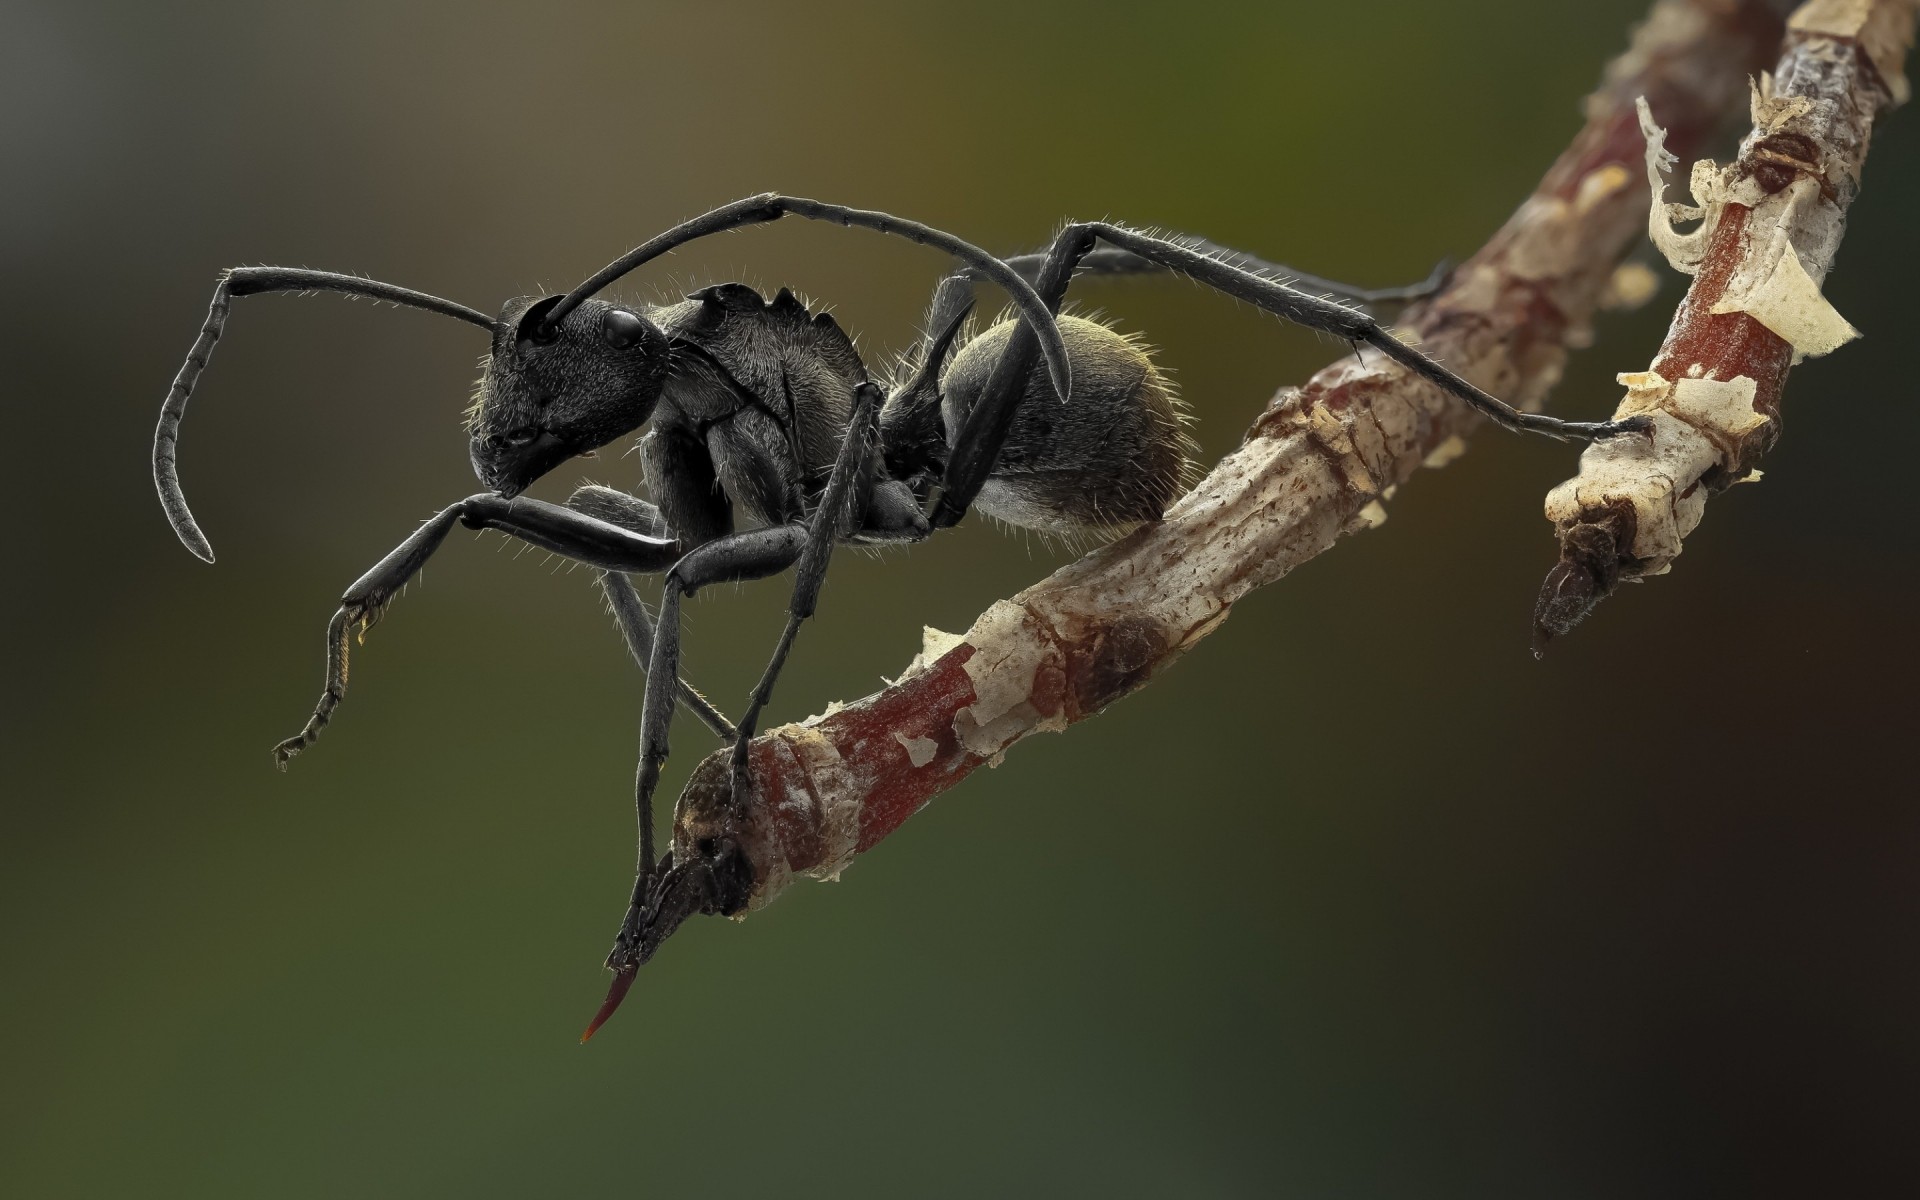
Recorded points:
(554, 390)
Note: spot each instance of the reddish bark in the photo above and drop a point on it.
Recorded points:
(1842, 79)
(1317, 461)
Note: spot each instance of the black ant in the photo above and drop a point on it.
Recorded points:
(766, 407)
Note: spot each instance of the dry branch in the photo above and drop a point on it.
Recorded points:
(1318, 464)
(1771, 224)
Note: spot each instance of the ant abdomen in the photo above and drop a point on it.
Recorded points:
(1114, 455)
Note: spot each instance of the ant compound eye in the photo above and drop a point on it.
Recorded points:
(621, 329)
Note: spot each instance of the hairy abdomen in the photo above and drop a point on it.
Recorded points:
(1115, 454)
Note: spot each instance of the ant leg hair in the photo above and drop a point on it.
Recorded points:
(636, 626)
(771, 206)
(834, 517)
(249, 281)
(1113, 260)
(618, 508)
(565, 532)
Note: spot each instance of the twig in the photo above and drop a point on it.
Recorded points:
(1771, 224)
(1318, 464)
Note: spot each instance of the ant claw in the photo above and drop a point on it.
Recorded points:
(1605, 430)
(1600, 431)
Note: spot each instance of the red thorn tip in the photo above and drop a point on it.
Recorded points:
(622, 981)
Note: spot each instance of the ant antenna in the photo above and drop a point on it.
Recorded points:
(248, 281)
(771, 206)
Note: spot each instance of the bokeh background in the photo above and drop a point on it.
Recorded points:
(1359, 901)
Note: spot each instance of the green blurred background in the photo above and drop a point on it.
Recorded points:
(1359, 901)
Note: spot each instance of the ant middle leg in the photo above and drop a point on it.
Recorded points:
(754, 554)
(636, 630)
(839, 514)
(623, 599)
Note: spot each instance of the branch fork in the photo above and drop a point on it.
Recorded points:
(1770, 225)
(1320, 463)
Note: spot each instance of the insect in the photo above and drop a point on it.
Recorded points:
(762, 408)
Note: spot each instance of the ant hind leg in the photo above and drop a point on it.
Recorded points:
(1114, 260)
(976, 446)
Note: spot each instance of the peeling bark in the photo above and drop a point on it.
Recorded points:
(1319, 463)
(1770, 225)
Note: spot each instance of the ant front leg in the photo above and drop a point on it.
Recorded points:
(549, 526)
